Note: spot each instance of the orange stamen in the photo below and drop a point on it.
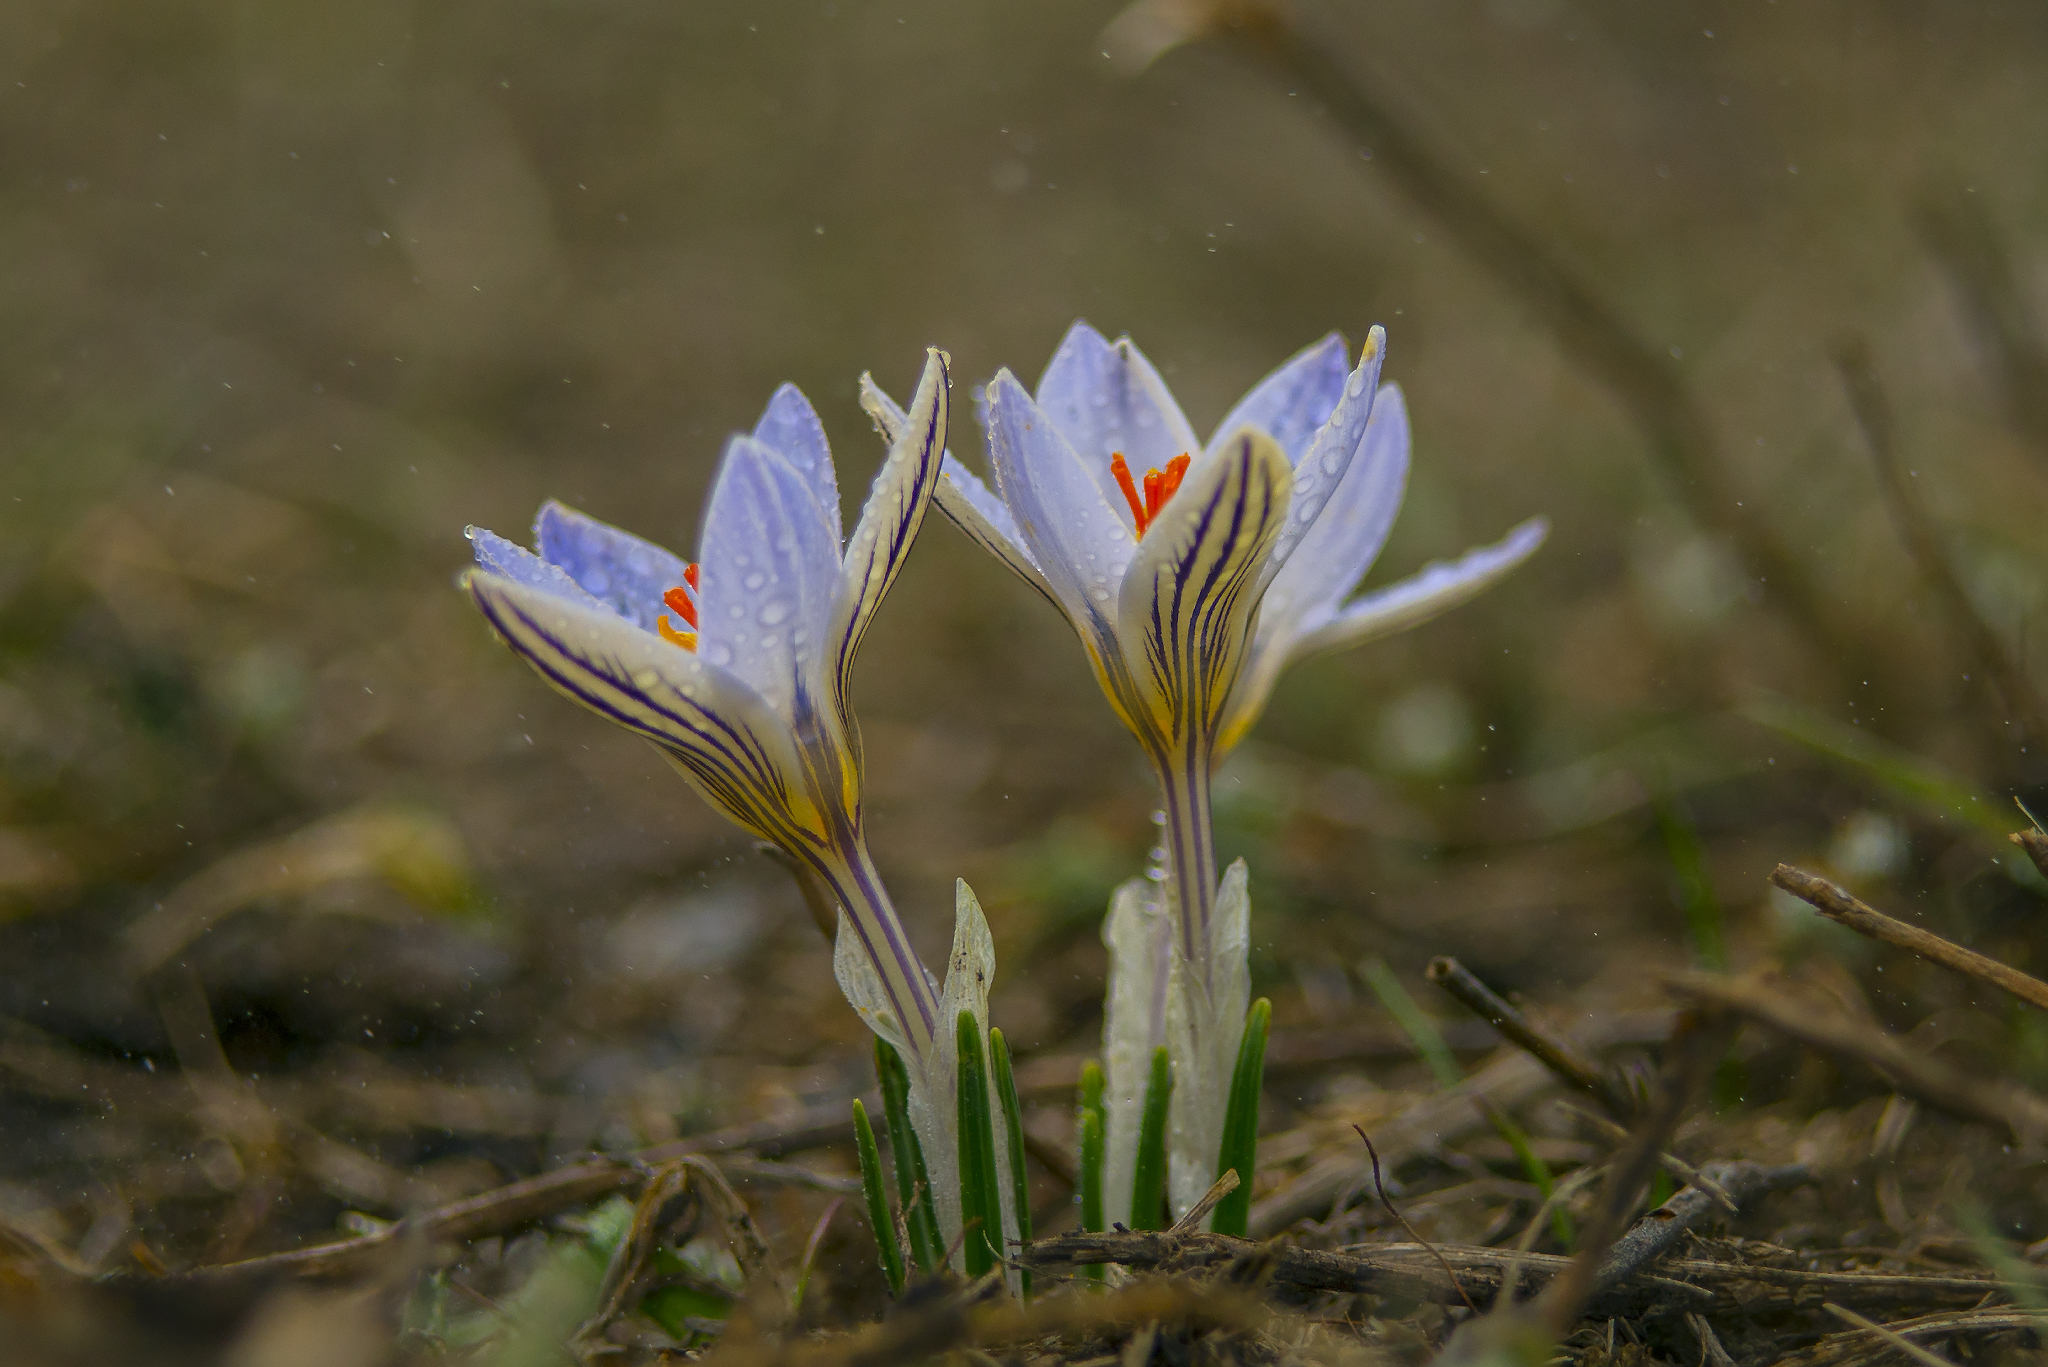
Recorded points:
(1160, 485)
(1122, 472)
(682, 601)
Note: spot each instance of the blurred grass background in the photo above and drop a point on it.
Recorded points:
(294, 292)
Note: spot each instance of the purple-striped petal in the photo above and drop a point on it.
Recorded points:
(888, 525)
(770, 572)
(1077, 539)
(1188, 598)
(1336, 444)
(1412, 601)
(720, 733)
(790, 428)
(616, 568)
(1106, 399)
(1293, 402)
(521, 566)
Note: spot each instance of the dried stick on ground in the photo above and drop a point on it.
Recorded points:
(1561, 1054)
(1993, 665)
(1839, 905)
(1658, 1232)
(1414, 1272)
(1927, 1079)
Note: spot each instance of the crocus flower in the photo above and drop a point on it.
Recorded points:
(736, 665)
(1191, 589)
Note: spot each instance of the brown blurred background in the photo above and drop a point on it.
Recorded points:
(291, 293)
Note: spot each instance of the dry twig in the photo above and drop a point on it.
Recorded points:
(1561, 1054)
(1840, 906)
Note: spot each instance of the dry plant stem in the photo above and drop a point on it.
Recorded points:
(1395, 1211)
(1940, 1086)
(1643, 376)
(1899, 1342)
(1559, 1053)
(1199, 1211)
(1853, 1346)
(1697, 1046)
(1839, 905)
(1993, 665)
(1712, 1354)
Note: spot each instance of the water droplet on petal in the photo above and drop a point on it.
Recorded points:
(736, 612)
(773, 613)
(718, 652)
(754, 581)
(1356, 386)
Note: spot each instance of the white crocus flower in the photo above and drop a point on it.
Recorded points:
(1190, 590)
(737, 666)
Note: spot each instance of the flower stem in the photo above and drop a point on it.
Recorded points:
(1190, 844)
(849, 874)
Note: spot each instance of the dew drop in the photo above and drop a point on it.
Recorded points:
(718, 652)
(754, 581)
(736, 612)
(773, 613)
(1356, 385)
(645, 679)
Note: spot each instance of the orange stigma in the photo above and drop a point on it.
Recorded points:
(1160, 485)
(682, 601)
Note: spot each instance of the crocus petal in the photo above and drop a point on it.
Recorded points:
(771, 569)
(1139, 935)
(1329, 560)
(1106, 399)
(1322, 468)
(888, 524)
(1079, 541)
(1295, 400)
(1414, 600)
(616, 568)
(513, 561)
(1187, 600)
(790, 428)
(974, 508)
(722, 734)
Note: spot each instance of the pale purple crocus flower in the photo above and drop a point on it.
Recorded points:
(751, 706)
(1190, 597)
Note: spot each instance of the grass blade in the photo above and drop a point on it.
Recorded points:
(1013, 1133)
(913, 1185)
(1148, 1191)
(872, 1187)
(979, 1200)
(1240, 1149)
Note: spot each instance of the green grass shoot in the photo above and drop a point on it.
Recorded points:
(979, 1199)
(1013, 1133)
(871, 1185)
(913, 1185)
(1148, 1185)
(1088, 1127)
(1240, 1149)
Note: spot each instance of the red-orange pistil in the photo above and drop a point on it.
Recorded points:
(1160, 485)
(682, 601)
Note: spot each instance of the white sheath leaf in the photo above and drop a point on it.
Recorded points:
(1139, 934)
(1206, 1029)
